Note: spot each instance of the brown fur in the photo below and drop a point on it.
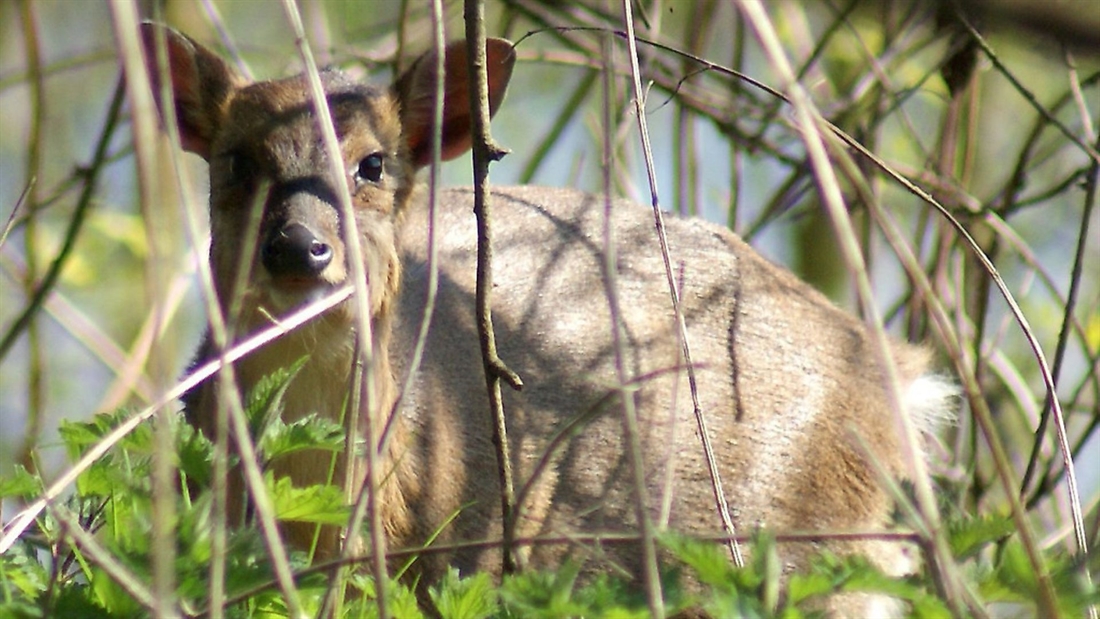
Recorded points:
(787, 380)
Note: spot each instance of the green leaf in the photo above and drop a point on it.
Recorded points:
(20, 484)
(612, 598)
(265, 400)
(111, 596)
(101, 479)
(968, 536)
(20, 610)
(464, 598)
(78, 436)
(21, 573)
(310, 432)
(248, 564)
(76, 601)
(929, 607)
(1014, 580)
(543, 594)
(830, 574)
(402, 600)
(1015, 572)
(196, 455)
(857, 573)
(808, 585)
(319, 504)
(710, 563)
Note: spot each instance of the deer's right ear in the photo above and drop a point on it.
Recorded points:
(202, 85)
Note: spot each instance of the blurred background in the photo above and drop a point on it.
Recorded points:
(1001, 130)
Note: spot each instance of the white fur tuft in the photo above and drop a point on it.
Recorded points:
(932, 402)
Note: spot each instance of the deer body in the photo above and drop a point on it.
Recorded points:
(786, 379)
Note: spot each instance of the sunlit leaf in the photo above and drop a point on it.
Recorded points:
(20, 483)
(310, 432)
(464, 598)
(319, 504)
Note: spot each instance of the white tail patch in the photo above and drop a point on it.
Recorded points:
(932, 401)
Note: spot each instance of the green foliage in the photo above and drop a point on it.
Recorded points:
(557, 594)
(21, 484)
(1012, 581)
(730, 591)
(464, 598)
(23, 578)
(194, 454)
(265, 402)
(968, 536)
(310, 432)
(45, 574)
(401, 599)
(320, 504)
(78, 437)
(113, 499)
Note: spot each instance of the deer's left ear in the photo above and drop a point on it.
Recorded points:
(202, 85)
(415, 89)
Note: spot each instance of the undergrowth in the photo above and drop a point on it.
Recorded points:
(48, 573)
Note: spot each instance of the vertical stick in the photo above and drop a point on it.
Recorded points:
(632, 443)
(485, 150)
(370, 400)
(149, 168)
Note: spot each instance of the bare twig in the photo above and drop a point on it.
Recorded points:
(808, 121)
(145, 136)
(36, 392)
(76, 223)
(367, 355)
(631, 438)
(486, 150)
(681, 327)
(1026, 93)
(218, 332)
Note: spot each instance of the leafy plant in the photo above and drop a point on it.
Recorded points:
(46, 574)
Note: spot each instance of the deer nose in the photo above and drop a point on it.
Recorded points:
(294, 251)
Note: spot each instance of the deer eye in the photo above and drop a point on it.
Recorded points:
(370, 169)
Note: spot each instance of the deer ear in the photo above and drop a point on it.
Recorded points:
(202, 85)
(415, 90)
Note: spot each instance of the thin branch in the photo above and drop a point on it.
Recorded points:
(76, 224)
(681, 327)
(485, 151)
(809, 121)
(143, 124)
(1026, 93)
(26, 516)
(631, 431)
(368, 357)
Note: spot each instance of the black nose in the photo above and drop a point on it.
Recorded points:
(294, 251)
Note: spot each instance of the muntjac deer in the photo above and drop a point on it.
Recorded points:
(787, 381)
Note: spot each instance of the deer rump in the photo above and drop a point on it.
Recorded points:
(788, 383)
